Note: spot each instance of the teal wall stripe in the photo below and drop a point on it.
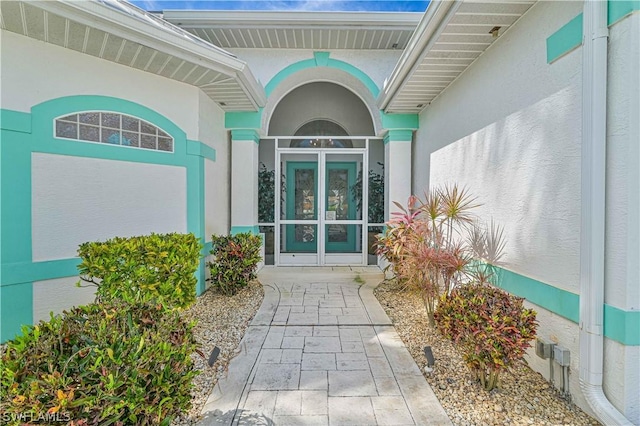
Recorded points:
(15, 120)
(14, 273)
(558, 301)
(570, 35)
(240, 229)
(243, 120)
(23, 134)
(16, 305)
(620, 325)
(618, 9)
(563, 41)
(201, 150)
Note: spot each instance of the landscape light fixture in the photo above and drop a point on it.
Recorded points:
(431, 361)
(214, 355)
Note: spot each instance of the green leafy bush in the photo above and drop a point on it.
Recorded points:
(234, 261)
(491, 327)
(100, 364)
(157, 266)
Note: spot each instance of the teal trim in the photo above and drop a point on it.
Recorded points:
(15, 273)
(565, 39)
(622, 326)
(23, 134)
(201, 150)
(206, 250)
(571, 34)
(243, 229)
(245, 135)
(15, 120)
(16, 305)
(551, 298)
(294, 246)
(348, 246)
(618, 9)
(243, 120)
(400, 121)
(398, 136)
(322, 59)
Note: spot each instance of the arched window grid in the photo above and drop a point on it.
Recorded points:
(112, 128)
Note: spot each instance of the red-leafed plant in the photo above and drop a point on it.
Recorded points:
(491, 327)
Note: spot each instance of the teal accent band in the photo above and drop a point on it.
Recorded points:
(620, 325)
(399, 121)
(558, 301)
(16, 305)
(243, 120)
(322, 59)
(565, 39)
(240, 229)
(15, 120)
(15, 273)
(207, 248)
(23, 134)
(245, 135)
(618, 9)
(201, 150)
(398, 136)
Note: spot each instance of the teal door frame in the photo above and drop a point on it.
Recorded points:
(348, 246)
(294, 246)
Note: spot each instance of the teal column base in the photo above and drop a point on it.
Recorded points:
(255, 229)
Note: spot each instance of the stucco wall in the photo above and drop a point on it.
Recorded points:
(510, 130)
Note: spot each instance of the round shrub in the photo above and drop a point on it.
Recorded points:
(110, 363)
(234, 261)
(490, 326)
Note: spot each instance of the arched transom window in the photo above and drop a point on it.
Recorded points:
(113, 128)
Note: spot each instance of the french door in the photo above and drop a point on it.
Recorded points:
(321, 203)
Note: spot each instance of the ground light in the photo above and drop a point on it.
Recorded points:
(214, 355)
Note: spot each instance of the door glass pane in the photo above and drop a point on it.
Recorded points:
(343, 238)
(305, 194)
(298, 238)
(338, 194)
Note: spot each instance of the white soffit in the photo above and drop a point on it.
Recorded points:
(119, 32)
(298, 30)
(449, 38)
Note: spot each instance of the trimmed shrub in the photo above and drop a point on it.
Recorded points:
(234, 261)
(100, 364)
(491, 327)
(157, 266)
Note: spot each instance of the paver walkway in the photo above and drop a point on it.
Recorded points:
(322, 351)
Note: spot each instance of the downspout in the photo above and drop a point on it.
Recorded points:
(592, 240)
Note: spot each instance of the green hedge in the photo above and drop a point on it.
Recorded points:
(101, 364)
(156, 266)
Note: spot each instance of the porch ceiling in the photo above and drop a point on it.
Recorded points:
(120, 32)
(298, 30)
(449, 38)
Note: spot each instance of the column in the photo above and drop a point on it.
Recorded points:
(397, 173)
(244, 181)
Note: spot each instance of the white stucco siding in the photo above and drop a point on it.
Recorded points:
(623, 165)
(57, 295)
(217, 186)
(76, 199)
(34, 72)
(509, 129)
(266, 63)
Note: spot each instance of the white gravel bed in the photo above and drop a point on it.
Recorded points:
(221, 321)
(524, 396)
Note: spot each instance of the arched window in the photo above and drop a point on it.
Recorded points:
(113, 128)
(317, 128)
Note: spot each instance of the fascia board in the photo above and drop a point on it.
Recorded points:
(269, 19)
(435, 19)
(99, 16)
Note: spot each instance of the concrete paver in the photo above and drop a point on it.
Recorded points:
(321, 350)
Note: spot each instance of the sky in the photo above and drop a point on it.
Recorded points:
(280, 5)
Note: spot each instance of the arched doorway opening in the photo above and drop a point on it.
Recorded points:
(321, 143)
